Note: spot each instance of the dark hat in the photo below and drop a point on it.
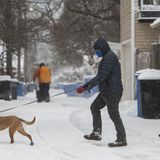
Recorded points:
(102, 45)
(41, 64)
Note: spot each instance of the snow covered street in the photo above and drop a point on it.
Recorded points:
(61, 124)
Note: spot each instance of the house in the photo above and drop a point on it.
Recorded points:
(137, 39)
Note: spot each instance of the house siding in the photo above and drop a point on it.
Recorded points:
(145, 35)
(125, 21)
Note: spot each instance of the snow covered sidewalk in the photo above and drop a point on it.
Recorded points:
(61, 124)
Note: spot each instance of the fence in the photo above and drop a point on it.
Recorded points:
(143, 58)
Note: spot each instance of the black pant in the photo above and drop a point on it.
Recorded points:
(44, 92)
(112, 102)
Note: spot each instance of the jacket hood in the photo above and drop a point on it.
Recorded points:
(102, 45)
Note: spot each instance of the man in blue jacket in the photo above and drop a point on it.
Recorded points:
(109, 82)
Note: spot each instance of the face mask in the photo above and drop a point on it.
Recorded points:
(98, 53)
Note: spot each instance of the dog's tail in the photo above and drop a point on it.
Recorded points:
(28, 123)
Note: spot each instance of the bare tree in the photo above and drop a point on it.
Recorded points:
(69, 26)
(82, 22)
(18, 27)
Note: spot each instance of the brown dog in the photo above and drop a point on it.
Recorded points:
(15, 124)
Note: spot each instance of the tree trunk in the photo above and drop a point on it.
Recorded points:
(9, 59)
(19, 64)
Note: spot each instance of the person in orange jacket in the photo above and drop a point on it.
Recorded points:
(44, 77)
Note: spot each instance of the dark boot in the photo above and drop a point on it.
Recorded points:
(95, 135)
(118, 143)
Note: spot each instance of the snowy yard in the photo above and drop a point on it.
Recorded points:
(61, 124)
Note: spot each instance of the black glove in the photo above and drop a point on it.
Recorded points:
(87, 87)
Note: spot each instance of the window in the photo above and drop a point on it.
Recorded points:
(151, 2)
(147, 2)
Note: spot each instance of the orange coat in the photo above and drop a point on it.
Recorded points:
(43, 74)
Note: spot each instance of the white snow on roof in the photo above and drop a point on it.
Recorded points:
(149, 74)
(156, 23)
